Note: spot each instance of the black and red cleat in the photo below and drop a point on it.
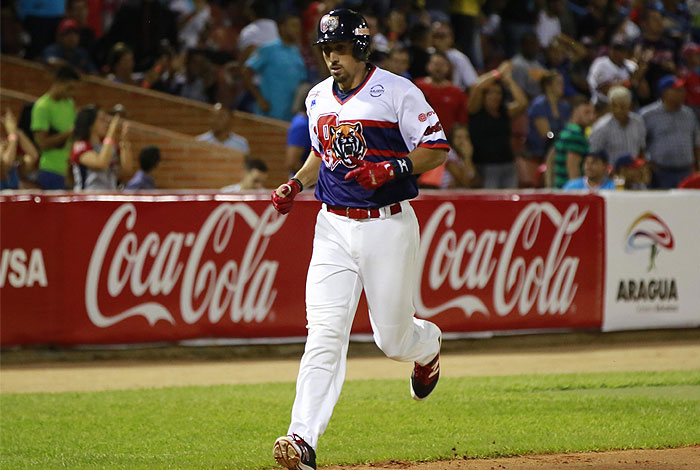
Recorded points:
(425, 378)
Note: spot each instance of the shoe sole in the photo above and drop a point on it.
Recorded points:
(287, 455)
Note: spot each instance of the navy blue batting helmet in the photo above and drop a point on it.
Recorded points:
(345, 25)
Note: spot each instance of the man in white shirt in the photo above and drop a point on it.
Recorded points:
(259, 31)
(548, 25)
(608, 71)
(464, 75)
(221, 133)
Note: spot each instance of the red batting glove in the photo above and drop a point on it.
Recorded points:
(283, 197)
(371, 175)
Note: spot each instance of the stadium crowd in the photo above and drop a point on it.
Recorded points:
(576, 94)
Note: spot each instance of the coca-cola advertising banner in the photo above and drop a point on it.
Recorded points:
(115, 268)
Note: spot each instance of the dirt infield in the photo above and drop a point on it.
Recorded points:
(59, 370)
(665, 459)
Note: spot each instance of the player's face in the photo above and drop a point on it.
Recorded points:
(343, 66)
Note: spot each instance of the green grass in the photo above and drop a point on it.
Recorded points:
(233, 427)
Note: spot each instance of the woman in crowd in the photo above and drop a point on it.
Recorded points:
(490, 126)
(96, 156)
(547, 116)
(17, 153)
(460, 168)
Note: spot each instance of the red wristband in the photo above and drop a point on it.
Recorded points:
(108, 141)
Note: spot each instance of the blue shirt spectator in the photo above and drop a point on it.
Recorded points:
(299, 140)
(280, 69)
(541, 114)
(583, 183)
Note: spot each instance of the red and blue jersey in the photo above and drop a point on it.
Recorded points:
(385, 118)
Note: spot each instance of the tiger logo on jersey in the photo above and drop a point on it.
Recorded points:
(347, 140)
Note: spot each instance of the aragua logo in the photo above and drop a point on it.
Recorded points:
(648, 232)
(340, 141)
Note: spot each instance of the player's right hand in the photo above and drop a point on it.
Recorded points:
(283, 196)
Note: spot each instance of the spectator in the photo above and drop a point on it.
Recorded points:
(518, 19)
(298, 138)
(221, 133)
(547, 116)
(396, 24)
(613, 69)
(254, 177)
(198, 81)
(632, 173)
(572, 145)
(566, 56)
(142, 26)
(490, 126)
(448, 101)
(548, 25)
(691, 74)
(464, 75)
(97, 157)
(274, 97)
(66, 50)
(619, 132)
(595, 26)
(660, 48)
(52, 119)
(673, 140)
(161, 76)
(40, 21)
(527, 71)
(459, 165)
(121, 65)
(17, 153)
(595, 174)
(398, 62)
(261, 29)
(79, 11)
(148, 161)
(465, 17)
(419, 37)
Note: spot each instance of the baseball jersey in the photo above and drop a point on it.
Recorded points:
(87, 178)
(385, 118)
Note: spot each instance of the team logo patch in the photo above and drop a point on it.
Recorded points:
(347, 140)
(329, 23)
(422, 117)
(376, 91)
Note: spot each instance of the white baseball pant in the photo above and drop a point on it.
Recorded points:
(380, 255)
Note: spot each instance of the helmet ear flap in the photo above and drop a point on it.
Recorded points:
(360, 49)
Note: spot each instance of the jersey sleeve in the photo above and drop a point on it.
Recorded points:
(419, 124)
(78, 149)
(316, 146)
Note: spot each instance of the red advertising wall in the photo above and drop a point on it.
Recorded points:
(116, 268)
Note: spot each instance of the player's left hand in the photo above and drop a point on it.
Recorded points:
(371, 175)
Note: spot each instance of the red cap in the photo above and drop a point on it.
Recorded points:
(690, 48)
(67, 25)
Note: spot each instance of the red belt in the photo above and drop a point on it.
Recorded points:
(362, 213)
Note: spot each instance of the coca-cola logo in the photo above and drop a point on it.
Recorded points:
(469, 261)
(155, 264)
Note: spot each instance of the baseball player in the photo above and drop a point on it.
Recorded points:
(371, 132)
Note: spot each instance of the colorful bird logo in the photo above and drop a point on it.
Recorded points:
(649, 231)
